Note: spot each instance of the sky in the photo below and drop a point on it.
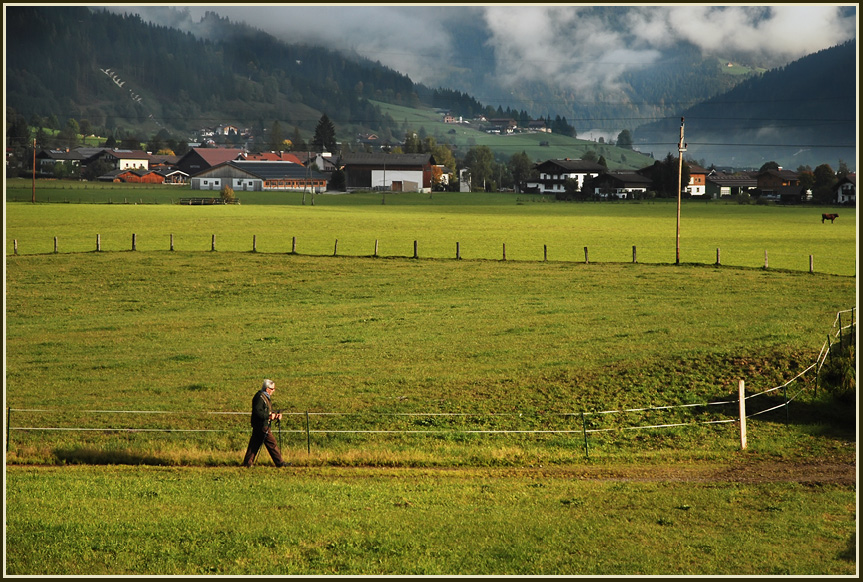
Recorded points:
(579, 46)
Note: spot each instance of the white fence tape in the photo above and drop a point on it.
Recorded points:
(822, 356)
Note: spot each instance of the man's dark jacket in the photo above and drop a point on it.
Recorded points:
(261, 408)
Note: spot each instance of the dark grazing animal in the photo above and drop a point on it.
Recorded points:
(830, 217)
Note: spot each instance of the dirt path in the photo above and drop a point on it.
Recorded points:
(842, 473)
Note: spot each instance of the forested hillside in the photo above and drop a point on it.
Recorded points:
(801, 114)
(120, 72)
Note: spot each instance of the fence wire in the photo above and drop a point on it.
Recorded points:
(306, 416)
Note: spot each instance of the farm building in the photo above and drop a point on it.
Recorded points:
(140, 177)
(198, 159)
(395, 172)
(554, 173)
(257, 176)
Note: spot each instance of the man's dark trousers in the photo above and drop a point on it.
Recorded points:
(262, 437)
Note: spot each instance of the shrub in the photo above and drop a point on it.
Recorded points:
(838, 374)
(228, 195)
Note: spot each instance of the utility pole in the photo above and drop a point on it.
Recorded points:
(34, 170)
(681, 147)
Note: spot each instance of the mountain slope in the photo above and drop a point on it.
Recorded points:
(801, 114)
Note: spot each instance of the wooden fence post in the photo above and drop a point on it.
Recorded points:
(254, 243)
(742, 396)
(308, 435)
(336, 248)
(15, 244)
(584, 431)
(504, 251)
(585, 256)
(811, 264)
(766, 263)
(294, 245)
(376, 247)
(457, 251)
(98, 242)
(172, 242)
(55, 244)
(634, 257)
(718, 256)
(213, 243)
(415, 250)
(544, 252)
(134, 242)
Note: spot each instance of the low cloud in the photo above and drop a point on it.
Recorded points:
(585, 49)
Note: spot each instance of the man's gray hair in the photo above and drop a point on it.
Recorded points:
(268, 385)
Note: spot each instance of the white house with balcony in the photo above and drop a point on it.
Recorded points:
(553, 174)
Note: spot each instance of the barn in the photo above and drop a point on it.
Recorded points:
(393, 172)
(258, 176)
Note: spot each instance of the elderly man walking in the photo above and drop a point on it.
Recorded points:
(262, 416)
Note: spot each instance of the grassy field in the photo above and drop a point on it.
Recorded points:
(168, 521)
(531, 228)
(462, 348)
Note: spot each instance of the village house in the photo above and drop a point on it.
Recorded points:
(121, 159)
(502, 126)
(553, 175)
(721, 185)
(391, 172)
(697, 186)
(259, 176)
(846, 190)
(620, 184)
(773, 183)
(47, 159)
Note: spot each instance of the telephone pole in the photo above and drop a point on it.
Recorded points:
(681, 147)
(34, 170)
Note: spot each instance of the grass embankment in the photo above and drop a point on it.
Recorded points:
(394, 343)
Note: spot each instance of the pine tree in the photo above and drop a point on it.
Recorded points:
(325, 135)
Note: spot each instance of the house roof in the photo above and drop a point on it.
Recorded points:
(783, 174)
(742, 180)
(267, 170)
(214, 156)
(63, 154)
(625, 178)
(274, 156)
(128, 154)
(391, 160)
(573, 166)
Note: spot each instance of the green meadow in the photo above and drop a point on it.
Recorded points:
(442, 416)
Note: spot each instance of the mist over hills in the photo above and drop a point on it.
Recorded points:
(804, 113)
(176, 72)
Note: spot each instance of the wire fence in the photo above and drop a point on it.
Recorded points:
(583, 423)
